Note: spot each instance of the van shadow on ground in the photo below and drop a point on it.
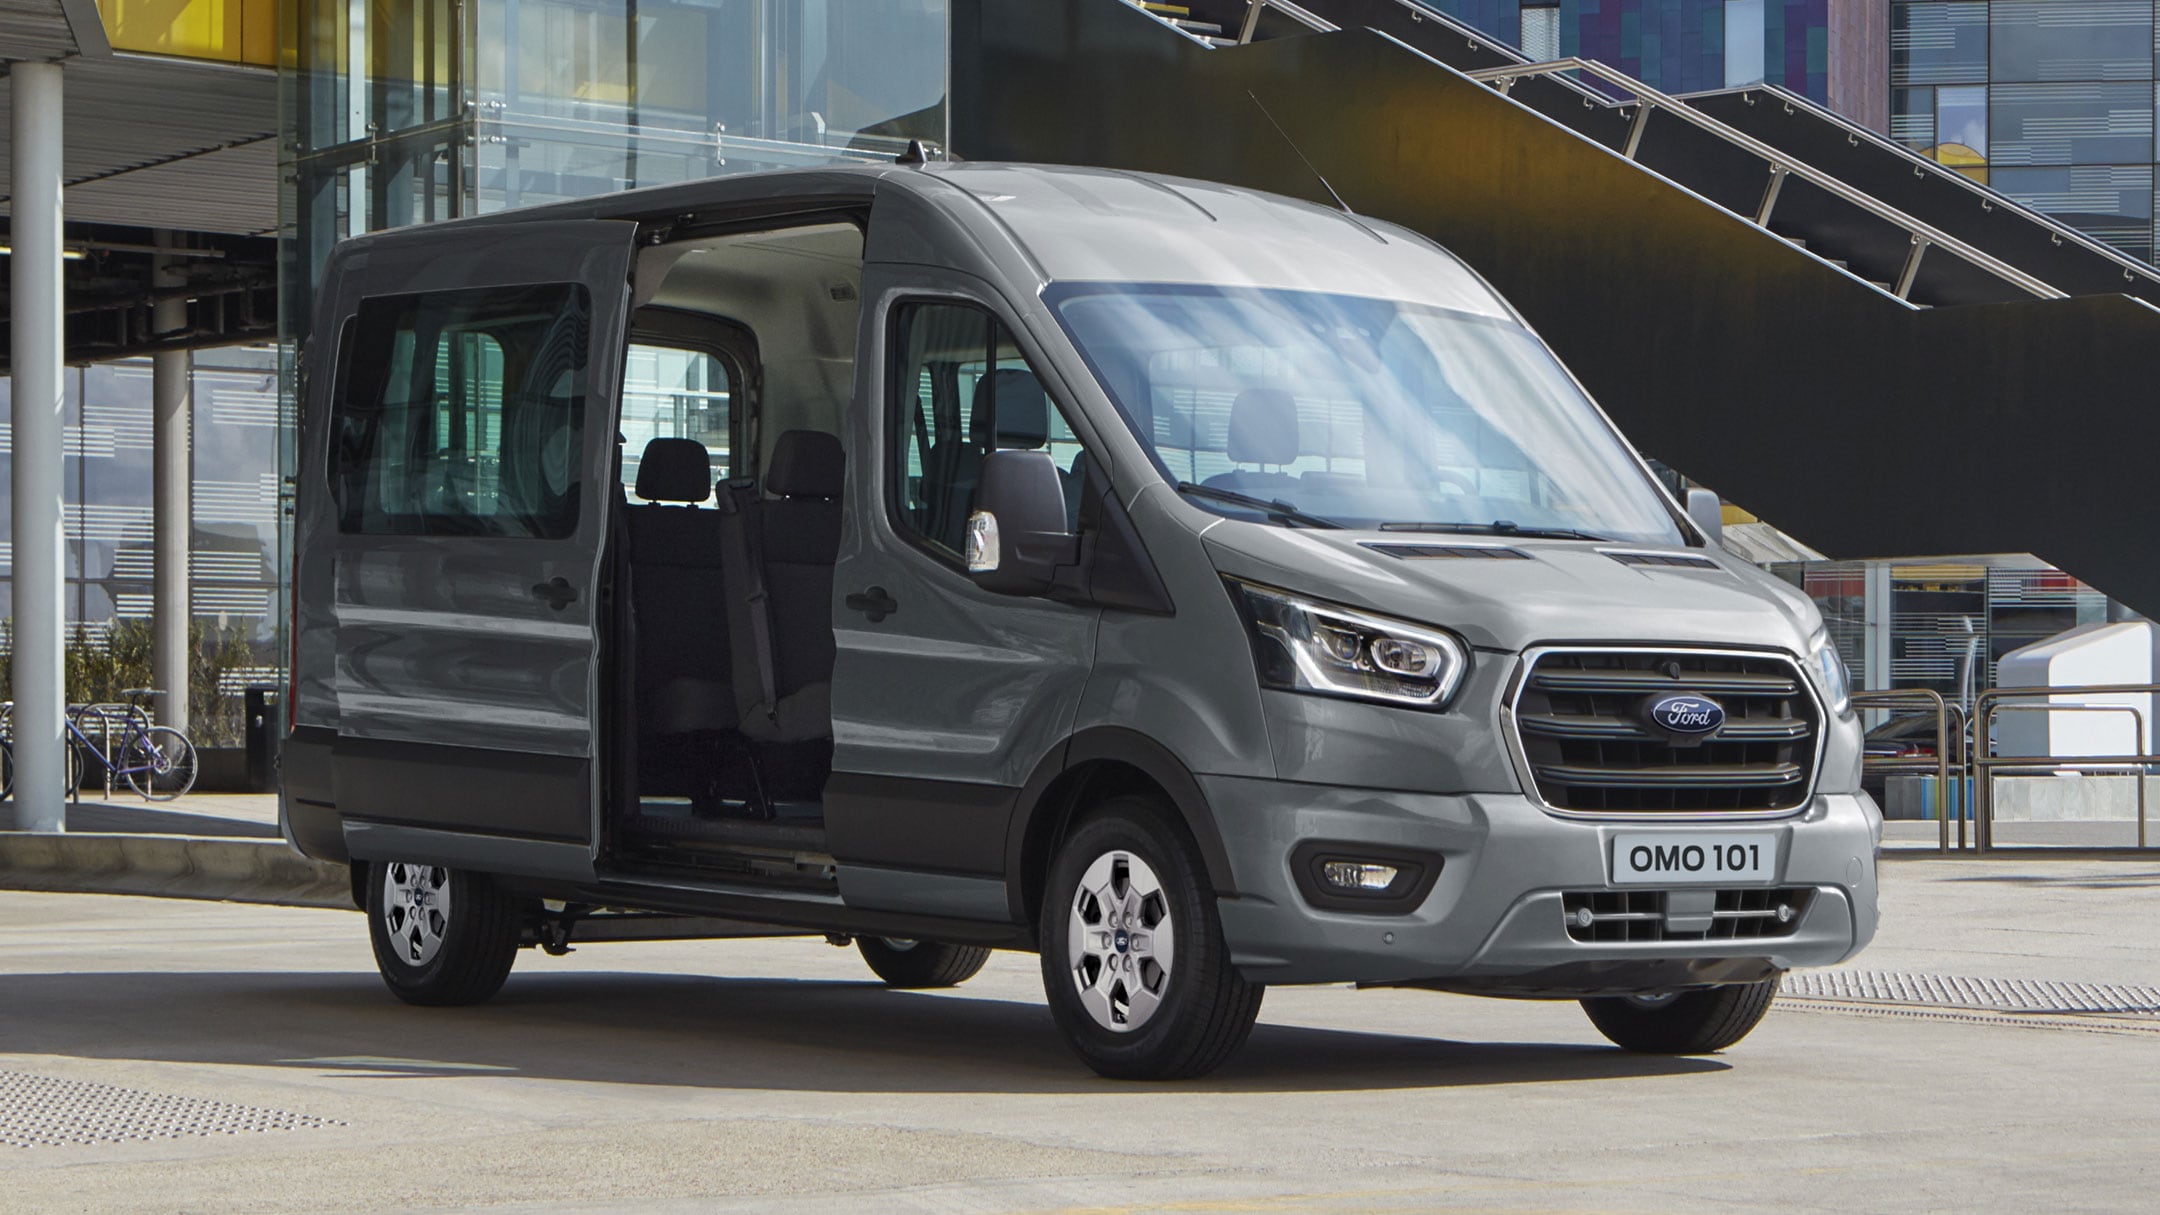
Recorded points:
(697, 1031)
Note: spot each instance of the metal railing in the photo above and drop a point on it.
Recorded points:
(1985, 764)
(1923, 236)
(1941, 767)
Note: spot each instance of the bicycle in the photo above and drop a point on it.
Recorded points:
(158, 762)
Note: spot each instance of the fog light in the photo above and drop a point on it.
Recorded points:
(1360, 876)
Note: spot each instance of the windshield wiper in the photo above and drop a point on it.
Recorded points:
(1498, 527)
(1273, 508)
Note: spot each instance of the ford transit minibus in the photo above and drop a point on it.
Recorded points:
(1202, 589)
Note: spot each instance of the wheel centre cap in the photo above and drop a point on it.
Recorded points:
(1123, 940)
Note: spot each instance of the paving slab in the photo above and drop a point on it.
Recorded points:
(772, 1075)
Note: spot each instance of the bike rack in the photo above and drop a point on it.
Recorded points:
(1985, 765)
(1943, 711)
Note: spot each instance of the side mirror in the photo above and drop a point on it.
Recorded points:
(1703, 507)
(1016, 537)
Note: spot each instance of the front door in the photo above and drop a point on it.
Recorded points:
(471, 425)
(946, 697)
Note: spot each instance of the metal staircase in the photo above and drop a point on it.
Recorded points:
(1878, 354)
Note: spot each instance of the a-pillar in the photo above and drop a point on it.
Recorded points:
(171, 516)
(38, 438)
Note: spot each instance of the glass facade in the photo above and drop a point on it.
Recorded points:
(2049, 101)
(1677, 46)
(235, 550)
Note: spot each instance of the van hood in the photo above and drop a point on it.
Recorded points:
(1554, 592)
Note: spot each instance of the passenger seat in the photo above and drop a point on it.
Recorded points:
(780, 553)
(684, 680)
(1263, 431)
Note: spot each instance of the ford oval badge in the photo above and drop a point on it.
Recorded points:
(1692, 715)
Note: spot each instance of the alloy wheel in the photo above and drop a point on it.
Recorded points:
(1121, 942)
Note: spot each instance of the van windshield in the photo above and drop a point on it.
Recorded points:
(1358, 412)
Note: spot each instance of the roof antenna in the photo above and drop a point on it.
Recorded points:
(915, 155)
(1300, 154)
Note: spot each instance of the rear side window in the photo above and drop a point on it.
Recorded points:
(963, 390)
(671, 393)
(462, 413)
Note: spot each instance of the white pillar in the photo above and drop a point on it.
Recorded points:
(171, 516)
(39, 447)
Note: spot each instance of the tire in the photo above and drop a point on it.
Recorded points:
(1151, 994)
(1683, 1023)
(7, 768)
(442, 936)
(168, 762)
(916, 964)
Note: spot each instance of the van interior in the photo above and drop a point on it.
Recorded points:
(741, 363)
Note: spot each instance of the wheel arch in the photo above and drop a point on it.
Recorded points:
(1096, 763)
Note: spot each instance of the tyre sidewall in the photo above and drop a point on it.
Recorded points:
(1132, 825)
(446, 977)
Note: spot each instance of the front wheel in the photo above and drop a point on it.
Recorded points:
(160, 764)
(441, 936)
(1683, 1022)
(917, 964)
(1134, 964)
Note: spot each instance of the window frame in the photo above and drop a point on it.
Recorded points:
(341, 409)
(892, 422)
(729, 343)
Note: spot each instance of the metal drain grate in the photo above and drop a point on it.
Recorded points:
(1991, 995)
(39, 1111)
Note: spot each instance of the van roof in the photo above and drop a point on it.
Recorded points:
(1084, 224)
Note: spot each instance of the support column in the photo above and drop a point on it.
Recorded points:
(170, 498)
(39, 574)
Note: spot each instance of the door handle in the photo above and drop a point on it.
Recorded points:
(558, 593)
(874, 603)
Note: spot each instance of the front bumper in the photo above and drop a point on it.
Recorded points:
(1492, 922)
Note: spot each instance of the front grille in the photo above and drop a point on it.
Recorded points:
(1639, 915)
(1591, 747)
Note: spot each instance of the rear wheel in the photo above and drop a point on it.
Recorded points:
(1134, 964)
(913, 964)
(441, 936)
(1682, 1022)
(160, 764)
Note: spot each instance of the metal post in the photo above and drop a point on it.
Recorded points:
(170, 497)
(38, 457)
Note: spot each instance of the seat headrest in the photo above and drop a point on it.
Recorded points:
(675, 470)
(1263, 427)
(1015, 398)
(807, 464)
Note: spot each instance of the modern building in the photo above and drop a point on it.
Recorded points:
(216, 149)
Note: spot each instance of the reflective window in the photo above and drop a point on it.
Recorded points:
(1541, 32)
(1939, 43)
(2058, 124)
(963, 391)
(1743, 42)
(670, 393)
(2035, 40)
(461, 413)
(1912, 118)
(1360, 410)
(1961, 127)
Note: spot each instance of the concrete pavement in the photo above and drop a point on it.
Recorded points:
(773, 1076)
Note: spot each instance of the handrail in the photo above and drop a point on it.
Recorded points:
(2059, 231)
(1304, 17)
(1926, 698)
(1924, 235)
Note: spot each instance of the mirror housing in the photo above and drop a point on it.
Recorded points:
(1707, 513)
(1016, 537)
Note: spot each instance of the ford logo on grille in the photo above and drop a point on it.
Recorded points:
(1693, 715)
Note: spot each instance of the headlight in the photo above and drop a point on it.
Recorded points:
(1301, 645)
(1830, 669)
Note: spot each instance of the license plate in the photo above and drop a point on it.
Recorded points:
(1666, 858)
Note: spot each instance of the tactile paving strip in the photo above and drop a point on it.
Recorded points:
(39, 1111)
(1991, 995)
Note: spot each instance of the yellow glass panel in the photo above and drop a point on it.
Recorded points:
(226, 31)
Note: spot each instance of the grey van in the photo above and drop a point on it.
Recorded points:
(1202, 589)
